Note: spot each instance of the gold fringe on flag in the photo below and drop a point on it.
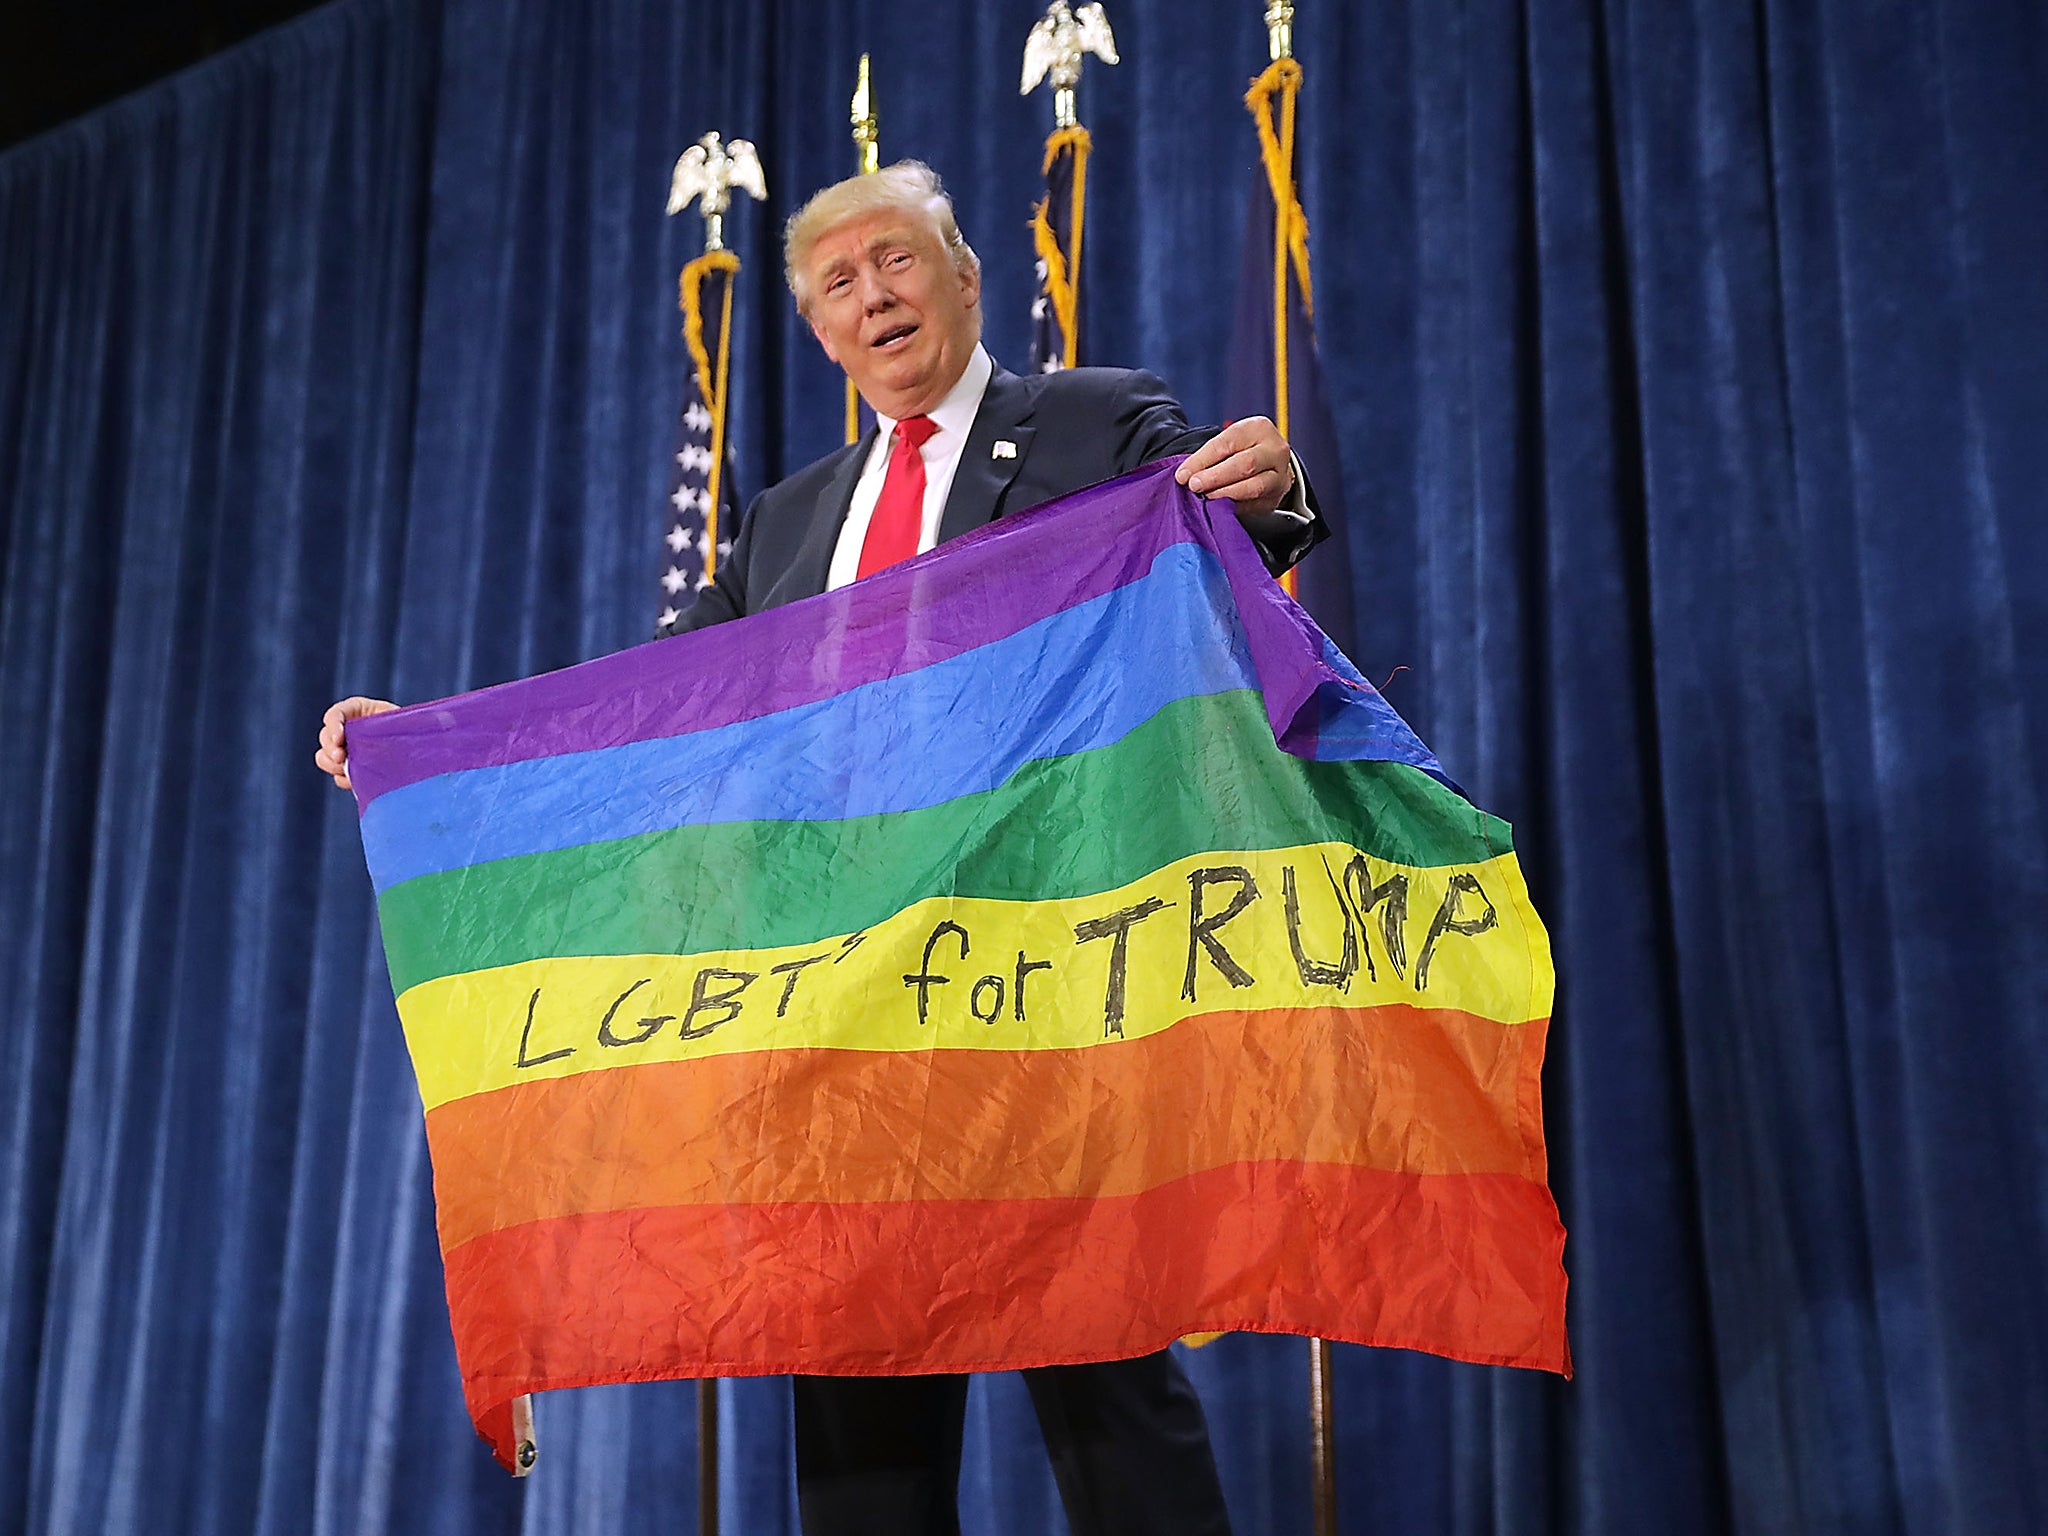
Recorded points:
(711, 380)
(1062, 275)
(1282, 79)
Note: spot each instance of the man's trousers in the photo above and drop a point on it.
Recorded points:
(880, 1455)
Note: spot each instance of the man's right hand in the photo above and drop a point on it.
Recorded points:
(332, 758)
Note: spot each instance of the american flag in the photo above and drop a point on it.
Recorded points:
(696, 541)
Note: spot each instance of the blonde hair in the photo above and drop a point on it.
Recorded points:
(908, 185)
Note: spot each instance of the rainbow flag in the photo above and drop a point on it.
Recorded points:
(1037, 952)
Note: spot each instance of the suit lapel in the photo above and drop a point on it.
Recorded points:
(813, 564)
(981, 479)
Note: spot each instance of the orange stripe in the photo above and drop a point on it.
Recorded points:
(1465, 1265)
(1412, 1089)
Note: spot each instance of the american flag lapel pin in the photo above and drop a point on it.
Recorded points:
(1002, 448)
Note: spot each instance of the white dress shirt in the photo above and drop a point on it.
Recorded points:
(954, 418)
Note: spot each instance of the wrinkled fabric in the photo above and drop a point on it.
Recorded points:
(1685, 361)
(713, 1090)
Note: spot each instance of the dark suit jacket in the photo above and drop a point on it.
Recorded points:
(1070, 429)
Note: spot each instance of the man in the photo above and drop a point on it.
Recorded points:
(892, 291)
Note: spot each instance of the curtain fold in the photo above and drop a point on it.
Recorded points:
(1688, 369)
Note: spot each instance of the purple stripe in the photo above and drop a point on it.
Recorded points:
(1317, 703)
(969, 592)
(1286, 646)
(972, 592)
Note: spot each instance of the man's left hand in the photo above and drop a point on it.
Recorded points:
(1248, 462)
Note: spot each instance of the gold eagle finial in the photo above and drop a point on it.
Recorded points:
(1056, 46)
(707, 172)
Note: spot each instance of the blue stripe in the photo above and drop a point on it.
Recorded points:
(897, 744)
(1356, 724)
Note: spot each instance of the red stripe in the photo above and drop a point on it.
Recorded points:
(1464, 1265)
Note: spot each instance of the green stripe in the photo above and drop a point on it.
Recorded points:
(1202, 773)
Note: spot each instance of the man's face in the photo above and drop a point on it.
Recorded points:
(889, 306)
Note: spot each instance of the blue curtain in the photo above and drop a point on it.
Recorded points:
(1688, 365)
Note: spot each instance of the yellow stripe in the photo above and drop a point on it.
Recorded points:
(484, 1030)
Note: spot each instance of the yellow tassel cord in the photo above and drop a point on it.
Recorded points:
(711, 381)
(1282, 78)
(1063, 268)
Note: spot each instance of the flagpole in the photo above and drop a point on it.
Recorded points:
(712, 382)
(707, 1456)
(707, 1387)
(706, 174)
(1322, 1450)
(714, 387)
(867, 160)
(1283, 75)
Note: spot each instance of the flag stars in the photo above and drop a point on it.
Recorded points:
(688, 554)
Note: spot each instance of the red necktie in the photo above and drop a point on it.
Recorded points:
(898, 522)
